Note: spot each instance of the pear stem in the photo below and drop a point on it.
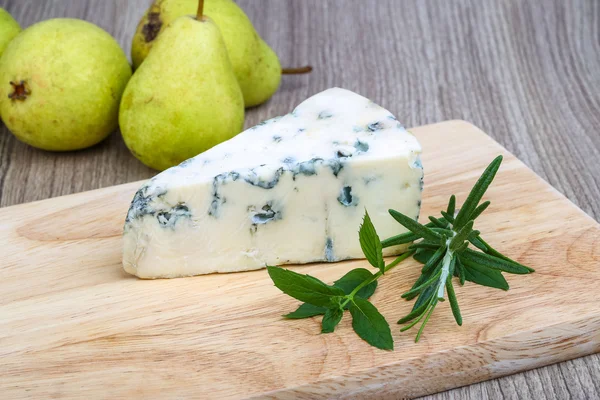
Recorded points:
(200, 13)
(294, 71)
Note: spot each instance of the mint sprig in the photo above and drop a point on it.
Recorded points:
(347, 283)
(356, 288)
(442, 246)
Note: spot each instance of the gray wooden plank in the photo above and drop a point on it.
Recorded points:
(526, 72)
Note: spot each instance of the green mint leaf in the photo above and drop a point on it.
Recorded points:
(483, 276)
(354, 278)
(305, 287)
(451, 206)
(453, 301)
(332, 318)
(415, 227)
(347, 283)
(461, 236)
(306, 311)
(464, 215)
(370, 325)
(370, 243)
(493, 262)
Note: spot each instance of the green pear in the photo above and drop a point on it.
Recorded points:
(9, 28)
(255, 64)
(184, 99)
(61, 82)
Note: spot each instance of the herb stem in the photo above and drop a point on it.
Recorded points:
(378, 275)
(445, 270)
(398, 260)
(432, 307)
(416, 321)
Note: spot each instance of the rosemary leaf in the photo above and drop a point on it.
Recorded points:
(451, 206)
(419, 288)
(461, 271)
(452, 267)
(434, 260)
(422, 278)
(424, 245)
(491, 251)
(493, 262)
(462, 247)
(438, 223)
(425, 296)
(461, 236)
(480, 209)
(473, 234)
(483, 276)
(399, 239)
(416, 321)
(453, 302)
(413, 314)
(464, 215)
(447, 217)
(446, 232)
(423, 255)
(478, 242)
(415, 227)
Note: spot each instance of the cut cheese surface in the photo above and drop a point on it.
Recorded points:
(290, 190)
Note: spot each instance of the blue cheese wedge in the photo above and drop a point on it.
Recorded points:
(290, 190)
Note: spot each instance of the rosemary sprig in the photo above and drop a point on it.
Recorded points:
(442, 246)
(451, 256)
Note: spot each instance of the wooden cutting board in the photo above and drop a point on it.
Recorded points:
(73, 324)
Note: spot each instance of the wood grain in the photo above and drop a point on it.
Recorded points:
(525, 71)
(73, 324)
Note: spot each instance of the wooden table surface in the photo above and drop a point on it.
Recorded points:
(526, 72)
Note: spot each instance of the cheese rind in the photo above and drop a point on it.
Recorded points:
(291, 190)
